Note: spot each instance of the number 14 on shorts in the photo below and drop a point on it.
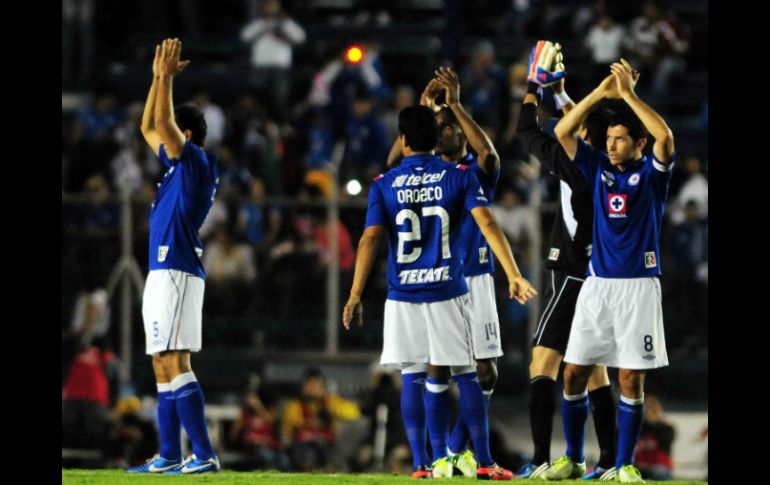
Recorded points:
(490, 330)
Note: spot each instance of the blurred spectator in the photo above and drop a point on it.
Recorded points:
(517, 89)
(256, 223)
(695, 189)
(134, 436)
(517, 222)
(94, 228)
(384, 390)
(403, 98)
(485, 88)
(256, 433)
(689, 274)
(218, 215)
(230, 270)
(653, 453)
(657, 43)
(345, 253)
(604, 41)
(234, 177)
(271, 37)
(338, 83)
(127, 166)
(292, 269)
(309, 423)
(86, 420)
(321, 142)
(367, 146)
(100, 119)
(215, 119)
(86, 157)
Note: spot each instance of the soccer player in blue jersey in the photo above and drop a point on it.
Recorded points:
(457, 130)
(419, 206)
(568, 256)
(173, 295)
(618, 318)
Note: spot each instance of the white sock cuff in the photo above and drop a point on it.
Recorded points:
(165, 387)
(182, 380)
(631, 401)
(575, 397)
(436, 388)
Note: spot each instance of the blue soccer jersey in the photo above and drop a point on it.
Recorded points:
(183, 200)
(422, 203)
(628, 213)
(478, 258)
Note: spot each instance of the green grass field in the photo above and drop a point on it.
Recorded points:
(120, 477)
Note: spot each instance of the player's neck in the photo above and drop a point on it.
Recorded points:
(455, 157)
(407, 152)
(629, 163)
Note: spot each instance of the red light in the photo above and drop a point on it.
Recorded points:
(354, 54)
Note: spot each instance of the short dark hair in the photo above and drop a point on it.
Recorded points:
(419, 127)
(630, 121)
(312, 373)
(189, 117)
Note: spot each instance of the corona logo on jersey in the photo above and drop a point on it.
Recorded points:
(617, 205)
(425, 275)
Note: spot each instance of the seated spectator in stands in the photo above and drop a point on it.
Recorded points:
(384, 390)
(653, 453)
(308, 423)
(604, 41)
(134, 436)
(256, 433)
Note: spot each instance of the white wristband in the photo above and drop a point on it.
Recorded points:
(561, 99)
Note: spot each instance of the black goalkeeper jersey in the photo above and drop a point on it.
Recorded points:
(570, 245)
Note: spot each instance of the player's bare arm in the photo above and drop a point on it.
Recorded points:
(489, 160)
(149, 132)
(365, 256)
(519, 288)
(394, 156)
(655, 124)
(566, 129)
(171, 136)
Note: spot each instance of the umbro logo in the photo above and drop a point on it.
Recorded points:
(648, 357)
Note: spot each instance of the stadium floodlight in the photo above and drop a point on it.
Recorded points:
(354, 54)
(353, 187)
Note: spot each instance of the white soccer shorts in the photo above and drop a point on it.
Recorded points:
(435, 333)
(172, 309)
(618, 323)
(485, 324)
